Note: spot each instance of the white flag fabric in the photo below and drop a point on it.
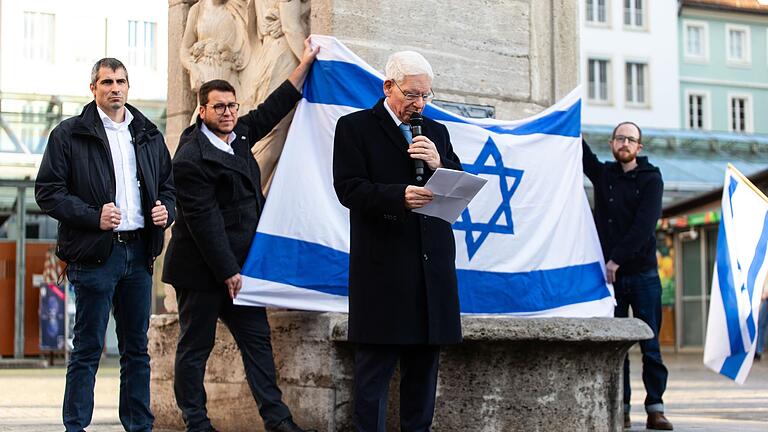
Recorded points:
(738, 278)
(526, 245)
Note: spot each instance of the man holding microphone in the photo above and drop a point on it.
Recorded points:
(403, 297)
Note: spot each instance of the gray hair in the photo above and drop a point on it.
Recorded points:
(107, 62)
(405, 63)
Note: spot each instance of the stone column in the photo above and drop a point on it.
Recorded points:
(181, 103)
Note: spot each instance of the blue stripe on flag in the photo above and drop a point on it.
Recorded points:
(728, 291)
(757, 263)
(732, 365)
(320, 268)
(298, 263)
(492, 292)
(731, 189)
(334, 82)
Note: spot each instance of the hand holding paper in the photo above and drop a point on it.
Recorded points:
(452, 191)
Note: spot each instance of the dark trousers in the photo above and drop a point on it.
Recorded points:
(642, 292)
(198, 313)
(374, 366)
(122, 283)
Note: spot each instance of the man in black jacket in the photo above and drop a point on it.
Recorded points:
(219, 204)
(106, 177)
(627, 206)
(403, 296)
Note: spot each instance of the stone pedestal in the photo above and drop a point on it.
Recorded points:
(509, 374)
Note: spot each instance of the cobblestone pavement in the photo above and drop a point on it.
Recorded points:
(696, 399)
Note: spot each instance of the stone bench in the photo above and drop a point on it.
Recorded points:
(532, 374)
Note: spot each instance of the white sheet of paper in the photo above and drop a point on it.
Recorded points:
(452, 190)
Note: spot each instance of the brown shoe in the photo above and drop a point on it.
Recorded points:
(657, 421)
(627, 421)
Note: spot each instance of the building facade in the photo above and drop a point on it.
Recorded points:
(724, 66)
(629, 64)
(48, 49)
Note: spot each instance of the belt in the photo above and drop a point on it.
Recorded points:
(126, 236)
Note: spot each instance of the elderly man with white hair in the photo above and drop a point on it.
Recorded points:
(403, 297)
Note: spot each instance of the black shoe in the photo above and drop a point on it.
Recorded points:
(288, 425)
(627, 421)
(758, 356)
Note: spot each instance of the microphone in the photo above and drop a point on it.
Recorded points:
(416, 121)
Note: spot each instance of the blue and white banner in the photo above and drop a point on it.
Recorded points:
(738, 278)
(527, 244)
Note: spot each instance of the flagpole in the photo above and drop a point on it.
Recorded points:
(743, 178)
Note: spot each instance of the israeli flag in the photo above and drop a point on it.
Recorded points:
(527, 244)
(738, 278)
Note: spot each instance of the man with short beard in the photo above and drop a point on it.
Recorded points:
(627, 206)
(219, 202)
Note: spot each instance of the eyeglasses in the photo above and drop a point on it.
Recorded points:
(220, 107)
(412, 97)
(622, 138)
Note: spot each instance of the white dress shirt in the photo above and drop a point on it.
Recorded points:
(392, 113)
(218, 142)
(127, 195)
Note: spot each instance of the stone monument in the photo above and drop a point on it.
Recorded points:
(516, 56)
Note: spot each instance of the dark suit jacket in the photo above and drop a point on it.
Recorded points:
(402, 274)
(219, 198)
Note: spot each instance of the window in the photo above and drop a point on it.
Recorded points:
(739, 113)
(598, 80)
(634, 13)
(696, 115)
(142, 46)
(636, 81)
(737, 44)
(38, 36)
(596, 12)
(696, 41)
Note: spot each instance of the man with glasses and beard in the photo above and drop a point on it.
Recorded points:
(627, 206)
(403, 298)
(219, 201)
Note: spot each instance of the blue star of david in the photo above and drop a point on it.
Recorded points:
(490, 162)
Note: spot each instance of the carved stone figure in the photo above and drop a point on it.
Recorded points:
(215, 44)
(280, 29)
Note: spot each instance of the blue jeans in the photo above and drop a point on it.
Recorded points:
(762, 326)
(122, 283)
(642, 292)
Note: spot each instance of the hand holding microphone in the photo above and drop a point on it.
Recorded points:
(422, 149)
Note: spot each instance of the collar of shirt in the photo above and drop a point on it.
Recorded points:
(111, 124)
(218, 142)
(392, 113)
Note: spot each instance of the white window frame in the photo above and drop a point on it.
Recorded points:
(141, 51)
(595, 23)
(31, 51)
(608, 81)
(696, 58)
(749, 126)
(646, 83)
(633, 25)
(706, 108)
(747, 48)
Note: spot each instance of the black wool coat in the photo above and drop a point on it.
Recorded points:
(77, 177)
(219, 198)
(402, 273)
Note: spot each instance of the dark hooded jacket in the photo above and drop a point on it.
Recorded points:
(627, 207)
